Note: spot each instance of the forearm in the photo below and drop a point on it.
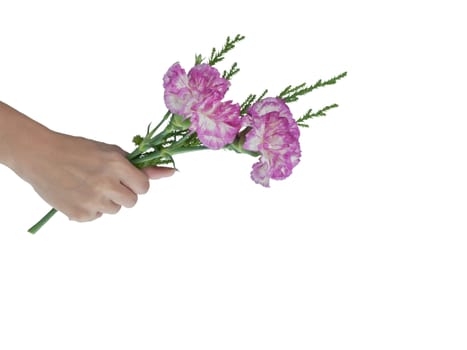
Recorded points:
(80, 177)
(19, 135)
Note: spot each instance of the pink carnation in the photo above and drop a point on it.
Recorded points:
(216, 122)
(197, 96)
(182, 91)
(274, 134)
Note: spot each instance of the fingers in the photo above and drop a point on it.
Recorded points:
(136, 180)
(80, 215)
(154, 172)
(117, 185)
(110, 207)
(124, 196)
(83, 215)
(135, 183)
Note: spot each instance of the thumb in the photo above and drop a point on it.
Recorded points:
(158, 172)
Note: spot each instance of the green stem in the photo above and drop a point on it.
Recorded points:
(150, 141)
(153, 158)
(150, 157)
(164, 118)
(42, 221)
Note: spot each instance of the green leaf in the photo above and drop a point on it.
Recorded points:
(218, 55)
(137, 140)
(291, 94)
(233, 70)
(309, 115)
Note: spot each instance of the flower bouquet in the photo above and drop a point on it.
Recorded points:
(198, 118)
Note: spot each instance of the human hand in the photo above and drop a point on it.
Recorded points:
(83, 178)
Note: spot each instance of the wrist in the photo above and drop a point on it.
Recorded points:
(21, 139)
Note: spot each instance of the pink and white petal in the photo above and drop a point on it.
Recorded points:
(261, 173)
(179, 102)
(295, 154)
(273, 136)
(206, 80)
(282, 168)
(254, 139)
(268, 105)
(216, 123)
(175, 78)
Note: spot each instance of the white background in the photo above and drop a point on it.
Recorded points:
(362, 248)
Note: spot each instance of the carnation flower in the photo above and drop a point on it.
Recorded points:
(197, 96)
(182, 91)
(274, 135)
(216, 123)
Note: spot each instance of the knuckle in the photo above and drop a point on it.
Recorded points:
(84, 212)
(112, 209)
(115, 153)
(103, 184)
(132, 201)
(144, 186)
(81, 216)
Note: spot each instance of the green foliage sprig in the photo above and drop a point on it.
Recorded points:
(251, 99)
(232, 71)
(218, 55)
(309, 114)
(291, 94)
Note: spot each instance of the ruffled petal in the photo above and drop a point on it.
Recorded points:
(177, 95)
(274, 104)
(216, 123)
(182, 92)
(175, 78)
(254, 138)
(206, 81)
(261, 172)
(274, 134)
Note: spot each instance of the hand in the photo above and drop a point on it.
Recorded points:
(81, 178)
(84, 178)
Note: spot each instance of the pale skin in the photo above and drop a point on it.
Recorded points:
(82, 178)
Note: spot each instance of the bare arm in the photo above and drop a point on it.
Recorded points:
(80, 177)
